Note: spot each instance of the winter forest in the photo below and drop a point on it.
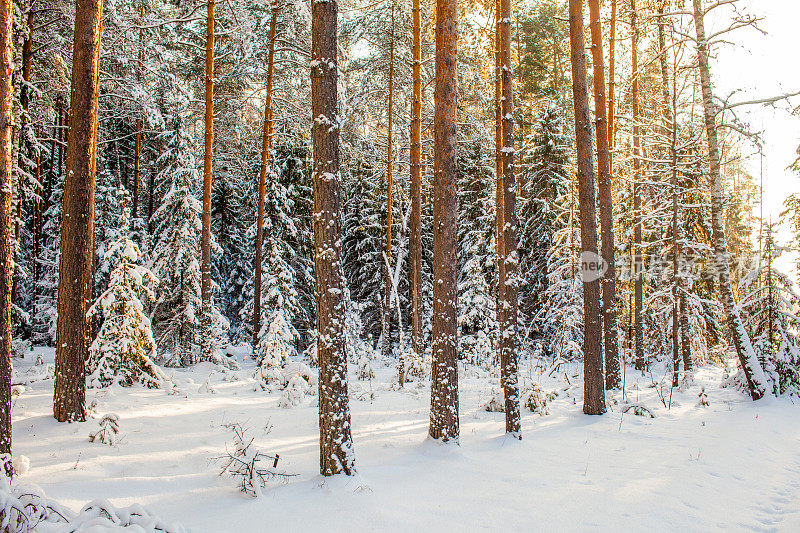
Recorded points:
(394, 265)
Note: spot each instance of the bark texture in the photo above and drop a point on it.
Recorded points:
(416, 181)
(609, 287)
(612, 46)
(507, 230)
(77, 227)
(6, 221)
(638, 289)
(594, 391)
(335, 440)
(756, 379)
(444, 423)
(208, 178)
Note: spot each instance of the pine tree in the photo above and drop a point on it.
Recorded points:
(75, 270)
(6, 228)
(444, 422)
(594, 387)
(336, 442)
(124, 350)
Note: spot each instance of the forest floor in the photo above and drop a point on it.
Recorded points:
(732, 464)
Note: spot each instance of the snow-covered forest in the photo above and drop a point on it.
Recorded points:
(390, 265)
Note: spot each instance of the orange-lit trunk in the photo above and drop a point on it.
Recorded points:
(208, 177)
(266, 149)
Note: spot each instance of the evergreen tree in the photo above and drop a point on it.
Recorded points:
(124, 349)
(543, 175)
(476, 257)
(176, 314)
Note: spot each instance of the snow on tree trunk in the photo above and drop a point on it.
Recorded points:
(77, 233)
(444, 423)
(6, 224)
(741, 340)
(336, 444)
(507, 231)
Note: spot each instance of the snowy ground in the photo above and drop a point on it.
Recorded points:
(734, 464)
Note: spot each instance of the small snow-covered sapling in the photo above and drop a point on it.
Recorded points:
(248, 465)
(108, 431)
(702, 398)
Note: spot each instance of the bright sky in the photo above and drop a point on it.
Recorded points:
(762, 66)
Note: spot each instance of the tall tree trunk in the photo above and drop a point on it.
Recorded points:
(594, 402)
(208, 177)
(416, 182)
(37, 223)
(444, 423)
(507, 282)
(6, 222)
(605, 202)
(21, 141)
(498, 157)
(612, 45)
(266, 149)
(335, 440)
(77, 227)
(671, 132)
(387, 296)
(756, 380)
(139, 124)
(637, 201)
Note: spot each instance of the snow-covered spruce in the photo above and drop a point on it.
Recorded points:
(124, 349)
(108, 430)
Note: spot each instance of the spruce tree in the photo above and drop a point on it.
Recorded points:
(177, 310)
(124, 350)
(543, 175)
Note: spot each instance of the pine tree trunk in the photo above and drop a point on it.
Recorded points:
(416, 183)
(139, 124)
(741, 340)
(137, 153)
(444, 423)
(335, 440)
(612, 45)
(605, 203)
(498, 160)
(594, 391)
(6, 222)
(387, 296)
(37, 223)
(208, 177)
(507, 231)
(671, 132)
(77, 227)
(266, 149)
(637, 201)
